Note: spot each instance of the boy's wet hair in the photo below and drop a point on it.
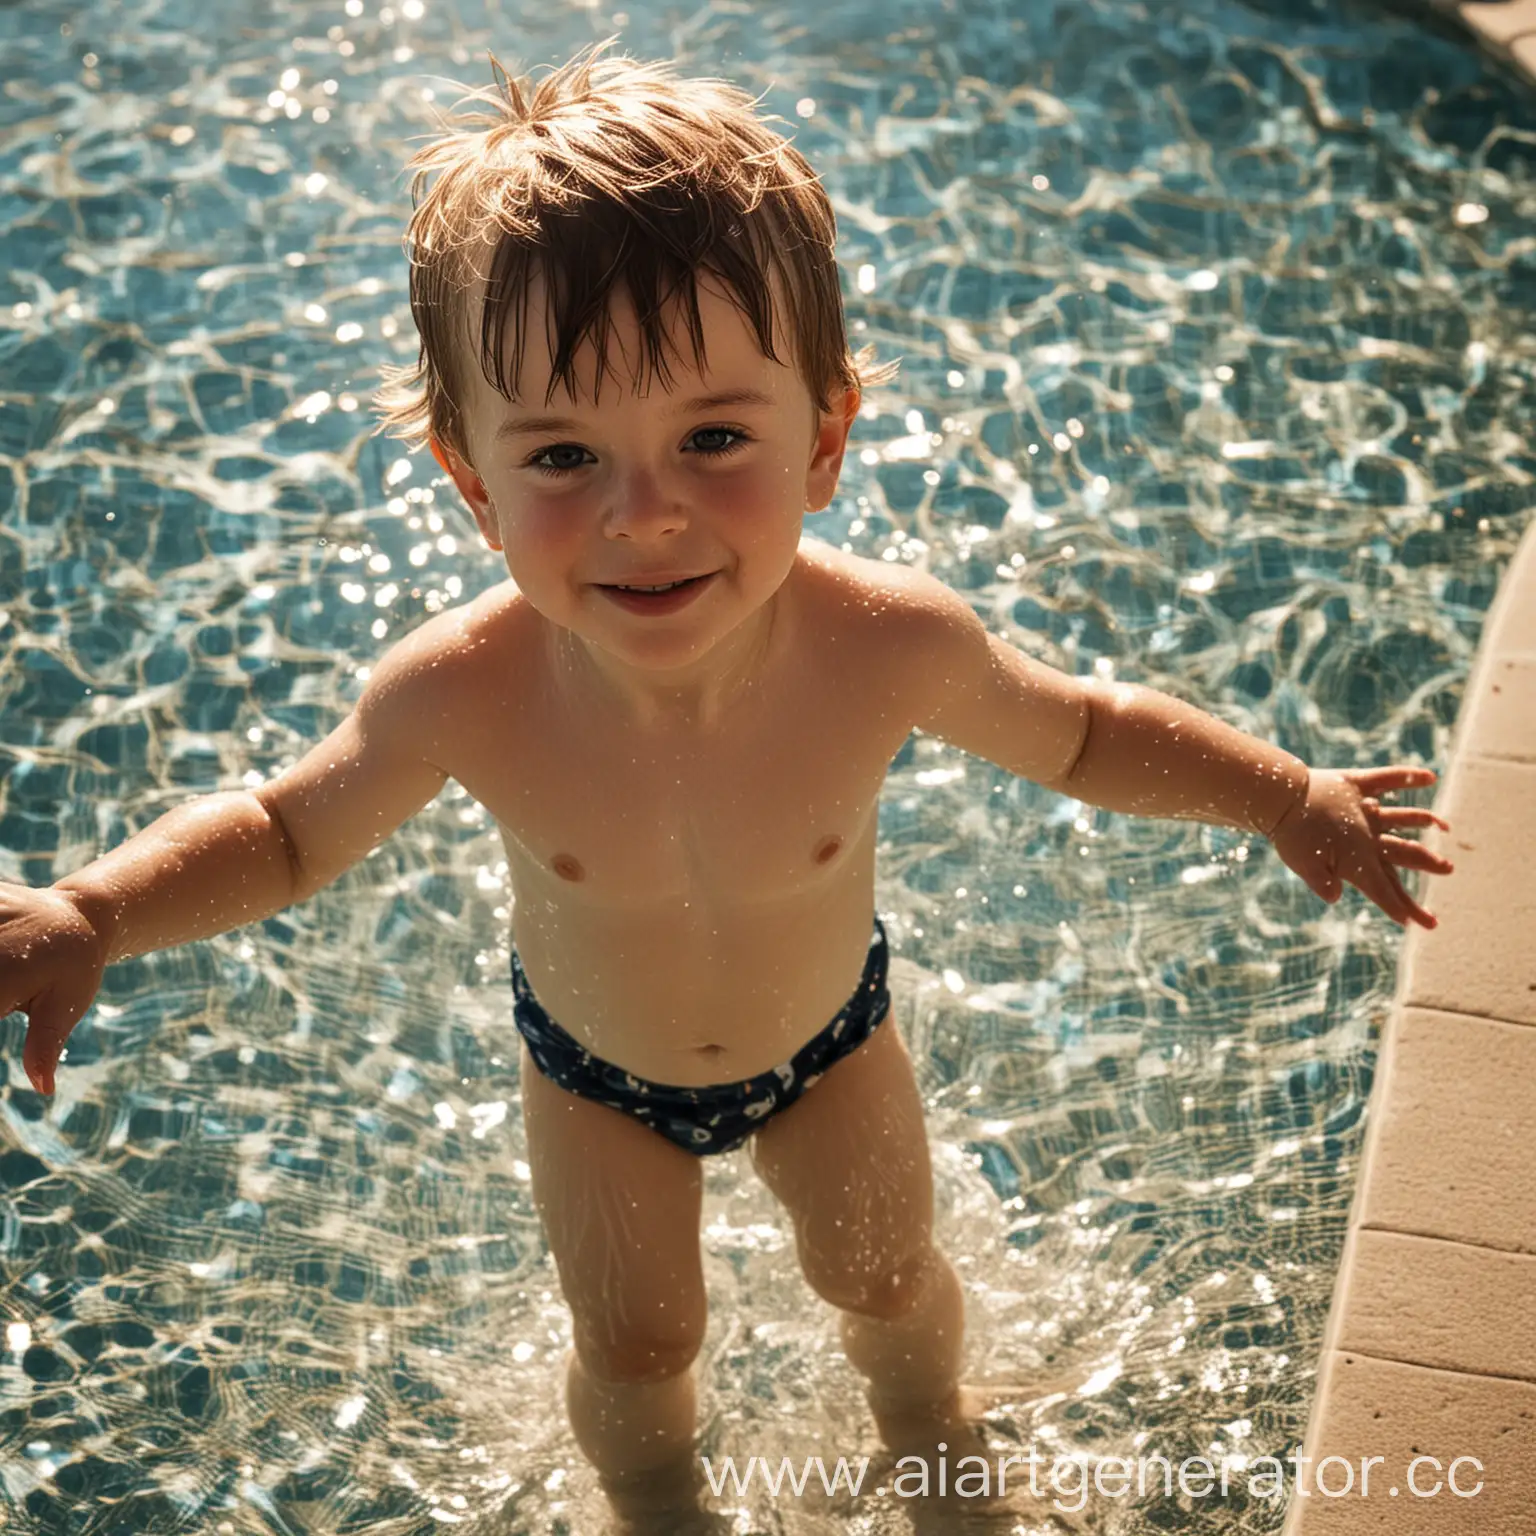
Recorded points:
(611, 173)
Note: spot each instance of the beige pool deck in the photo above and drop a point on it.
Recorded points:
(1430, 1347)
(1506, 28)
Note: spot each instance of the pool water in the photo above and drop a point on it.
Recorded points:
(1216, 379)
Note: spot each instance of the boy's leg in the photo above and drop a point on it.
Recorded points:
(849, 1160)
(620, 1207)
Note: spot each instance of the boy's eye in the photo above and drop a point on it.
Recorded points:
(533, 461)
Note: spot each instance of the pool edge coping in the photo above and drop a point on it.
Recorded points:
(1505, 29)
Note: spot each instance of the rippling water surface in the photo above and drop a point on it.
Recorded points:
(1216, 327)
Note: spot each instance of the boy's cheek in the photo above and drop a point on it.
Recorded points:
(543, 559)
(547, 537)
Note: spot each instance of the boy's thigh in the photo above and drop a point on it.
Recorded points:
(849, 1161)
(620, 1207)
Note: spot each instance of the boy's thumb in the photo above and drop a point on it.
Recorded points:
(52, 1015)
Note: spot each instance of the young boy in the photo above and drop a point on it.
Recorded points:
(686, 780)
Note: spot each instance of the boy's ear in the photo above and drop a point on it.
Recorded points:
(471, 488)
(827, 455)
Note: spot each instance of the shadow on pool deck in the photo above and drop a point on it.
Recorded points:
(1430, 1347)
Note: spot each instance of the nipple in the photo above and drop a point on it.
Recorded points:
(567, 867)
(827, 849)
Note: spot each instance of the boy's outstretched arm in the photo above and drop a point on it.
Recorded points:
(224, 860)
(1133, 749)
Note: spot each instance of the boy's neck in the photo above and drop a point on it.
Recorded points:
(690, 699)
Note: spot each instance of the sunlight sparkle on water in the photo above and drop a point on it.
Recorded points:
(756, 1236)
(1101, 1379)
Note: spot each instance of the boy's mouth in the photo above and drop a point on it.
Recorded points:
(656, 598)
(664, 586)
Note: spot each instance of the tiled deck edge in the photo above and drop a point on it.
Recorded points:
(1440, 1254)
(1506, 28)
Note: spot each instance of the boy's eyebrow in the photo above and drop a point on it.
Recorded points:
(514, 426)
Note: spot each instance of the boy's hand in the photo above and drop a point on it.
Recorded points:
(51, 960)
(1337, 831)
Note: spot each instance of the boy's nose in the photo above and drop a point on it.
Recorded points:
(645, 516)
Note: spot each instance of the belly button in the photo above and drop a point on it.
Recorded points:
(827, 849)
(566, 867)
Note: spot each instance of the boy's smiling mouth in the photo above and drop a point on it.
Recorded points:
(658, 597)
(654, 583)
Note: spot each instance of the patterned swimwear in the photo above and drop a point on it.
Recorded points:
(720, 1116)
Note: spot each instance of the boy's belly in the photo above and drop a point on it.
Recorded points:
(700, 990)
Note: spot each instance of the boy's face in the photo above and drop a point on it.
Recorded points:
(641, 492)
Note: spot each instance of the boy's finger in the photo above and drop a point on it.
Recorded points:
(1399, 776)
(1412, 855)
(1386, 781)
(1387, 892)
(1409, 816)
(1407, 908)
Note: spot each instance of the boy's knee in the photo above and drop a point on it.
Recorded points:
(637, 1359)
(889, 1294)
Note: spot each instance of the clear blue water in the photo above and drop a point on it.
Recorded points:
(1216, 379)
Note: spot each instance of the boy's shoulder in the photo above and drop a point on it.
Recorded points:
(450, 643)
(429, 676)
(892, 604)
(948, 673)
(897, 625)
(884, 592)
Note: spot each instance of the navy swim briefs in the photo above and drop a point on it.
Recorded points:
(719, 1116)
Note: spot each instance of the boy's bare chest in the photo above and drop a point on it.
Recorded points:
(770, 807)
